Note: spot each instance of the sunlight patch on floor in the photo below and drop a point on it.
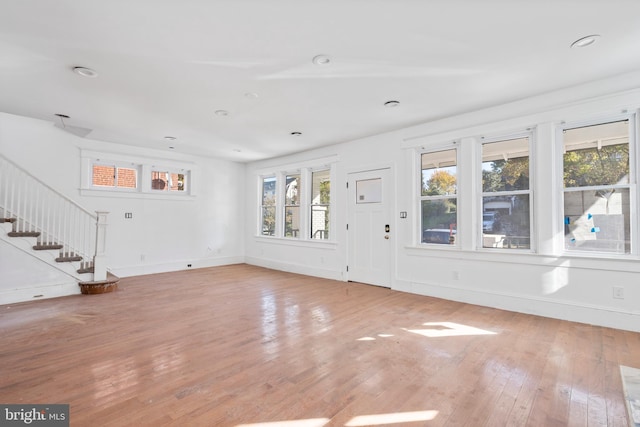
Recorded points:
(394, 418)
(448, 329)
(311, 422)
(373, 338)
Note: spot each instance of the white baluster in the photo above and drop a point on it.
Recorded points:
(99, 260)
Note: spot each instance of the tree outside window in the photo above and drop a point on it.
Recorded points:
(597, 184)
(506, 196)
(320, 204)
(438, 197)
(268, 207)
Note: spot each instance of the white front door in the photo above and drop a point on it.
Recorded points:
(369, 228)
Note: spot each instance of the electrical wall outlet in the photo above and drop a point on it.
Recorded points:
(618, 292)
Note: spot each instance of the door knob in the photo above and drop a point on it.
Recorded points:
(386, 236)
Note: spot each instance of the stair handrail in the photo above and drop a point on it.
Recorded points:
(59, 219)
(15, 165)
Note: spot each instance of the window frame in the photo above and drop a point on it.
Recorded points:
(143, 166)
(295, 234)
(305, 170)
(420, 235)
(116, 166)
(312, 205)
(529, 134)
(632, 185)
(170, 172)
(261, 205)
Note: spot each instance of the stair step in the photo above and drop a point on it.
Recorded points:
(7, 220)
(69, 258)
(23, 234)
(48, 246)
(85, 270)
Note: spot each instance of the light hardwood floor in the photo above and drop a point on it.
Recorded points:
(236, 345)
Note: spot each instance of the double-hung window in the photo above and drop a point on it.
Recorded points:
(598, 187)
(438, 197)
(320, 204)
(268, 206)
(506, 195)
(292, 205)
(295, 203)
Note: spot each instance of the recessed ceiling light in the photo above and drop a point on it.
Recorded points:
(585, 41)
(251, 95)
(296, 133)
(391, 104)
(171, 147)
(321, 60)
(85, 72)
(221, 113)
(170, 138)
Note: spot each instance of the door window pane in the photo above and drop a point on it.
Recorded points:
(369, 191)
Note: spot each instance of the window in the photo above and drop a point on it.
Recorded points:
(168, 181)
(135, 176)
(506, 196)
(112, 176)
(268, 206)
(292, 206)
(438, 197)
(597, 188)
(320, 204)
(295, 201)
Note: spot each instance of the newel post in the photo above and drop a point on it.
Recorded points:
(100, 257)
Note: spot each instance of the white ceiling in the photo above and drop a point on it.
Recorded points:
(165, 66)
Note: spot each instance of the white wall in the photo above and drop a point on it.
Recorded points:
(164, 234)
(24, 277)
(548, 282)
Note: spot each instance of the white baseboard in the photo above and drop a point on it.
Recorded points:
(12, 296)
(295, 268)
(557, 309)
(143, 269)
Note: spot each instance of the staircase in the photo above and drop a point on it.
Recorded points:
(40, 221)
